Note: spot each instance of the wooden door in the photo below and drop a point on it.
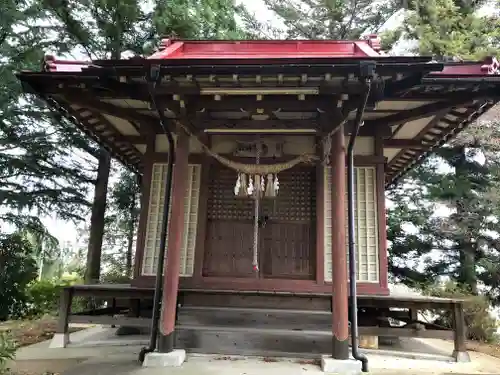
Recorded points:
(288, 248)
(287, 240)
(229, 241)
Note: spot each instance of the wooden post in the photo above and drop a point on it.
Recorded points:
(174, 244)
(61, 337)
(340, 322)
(459, 334)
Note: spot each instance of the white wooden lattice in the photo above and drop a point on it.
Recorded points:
(366, 225)
(153, 228)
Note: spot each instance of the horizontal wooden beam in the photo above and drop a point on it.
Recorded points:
(424, 111)
(148, 124)
(365, 160)
(110, 320)
(402, 143)
(133, 139)
(406, 332)
(267, 103)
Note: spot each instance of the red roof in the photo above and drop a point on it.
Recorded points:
(219, 50)
(197, 49)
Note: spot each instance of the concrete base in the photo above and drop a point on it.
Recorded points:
(368, 342)
(330, 365)
(461, 357)
(173, 359)
(60, 340)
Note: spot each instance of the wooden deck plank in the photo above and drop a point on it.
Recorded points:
(129, 291)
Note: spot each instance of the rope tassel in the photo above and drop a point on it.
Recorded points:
(271, 190)
(241, 188)
(250, 188)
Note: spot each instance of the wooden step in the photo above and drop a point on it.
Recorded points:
(255, 310)
(253, 341)
(256, 299)
(254, 318)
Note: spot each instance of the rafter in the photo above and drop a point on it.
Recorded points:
(403, 143)
(149, 123)
(424, 111)
(267, 103)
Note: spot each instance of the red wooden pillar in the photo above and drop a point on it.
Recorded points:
(340, 322)
(174, 244)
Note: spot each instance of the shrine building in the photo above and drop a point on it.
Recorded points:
(277, 155)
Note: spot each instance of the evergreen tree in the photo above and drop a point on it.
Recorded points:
(409, 232)
(121, 225)
(17, 270)
(451, 29)
(321, 19)
(46, 250)
(464, 242)
(39, 172)
(109, 29)
(456, 243)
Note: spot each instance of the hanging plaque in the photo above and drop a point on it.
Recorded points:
(270, 148)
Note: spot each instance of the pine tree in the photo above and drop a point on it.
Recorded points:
(463, 242)
(109, 29)
(447, 28)
(321, 19)
(39, 173)
(121, 226)
(410, 232)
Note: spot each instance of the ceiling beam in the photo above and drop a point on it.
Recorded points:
(305, 126)
(150, 124)
(420, 95)
(131, 139)
(267, 103)
(418, 113)
(402, 143)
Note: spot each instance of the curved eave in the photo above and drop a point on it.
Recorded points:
(435, 131)
(429, 106)
(127, 148)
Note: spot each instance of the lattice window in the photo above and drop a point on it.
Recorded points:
(366, 225)
(295, 202)
(153, 229)
(222, 203)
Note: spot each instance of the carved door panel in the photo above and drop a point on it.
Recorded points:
(286, 241)
(287, 248)
(229, 241)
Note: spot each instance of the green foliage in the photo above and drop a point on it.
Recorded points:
(320, 19)
(409, 210)
(481, 326)
(17, 271)
(197, 19)
(447, 28)
(454, 244)
(46, 250)
(39, 173)
(112, 29)
(462, 245)
(7, 352)
(43, 298)
(121, 222)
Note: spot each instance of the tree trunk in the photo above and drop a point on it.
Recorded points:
(467, 276)
(130, 237)
(93, 269)
(467, 272)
